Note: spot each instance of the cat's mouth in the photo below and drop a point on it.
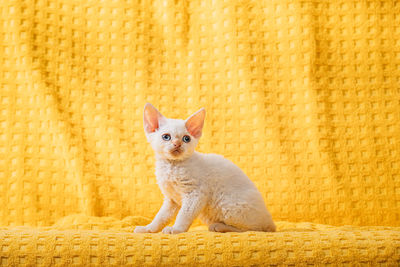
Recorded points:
(176, 151)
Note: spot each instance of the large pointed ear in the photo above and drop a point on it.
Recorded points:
(194, 124)
(152, 118)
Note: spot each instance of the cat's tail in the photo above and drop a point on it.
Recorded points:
(270, 228)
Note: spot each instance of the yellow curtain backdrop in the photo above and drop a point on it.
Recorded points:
(302, 95)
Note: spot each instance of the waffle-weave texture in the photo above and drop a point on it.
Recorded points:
(109, 242)
(302, 95)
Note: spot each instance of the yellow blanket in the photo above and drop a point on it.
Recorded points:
(92, 241)
(302, 95)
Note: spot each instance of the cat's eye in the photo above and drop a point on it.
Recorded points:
(166, 137)
(186, 139)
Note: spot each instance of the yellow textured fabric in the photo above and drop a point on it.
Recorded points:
(302, 95)
(89, 241)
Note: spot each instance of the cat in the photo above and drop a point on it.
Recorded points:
(194, 184)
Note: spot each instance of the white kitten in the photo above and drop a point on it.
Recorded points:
(196, 184)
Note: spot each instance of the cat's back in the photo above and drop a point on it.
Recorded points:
(219, 168)
(213, 159)
(217, 161)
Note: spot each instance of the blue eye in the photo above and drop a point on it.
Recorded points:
(186, 139)
(166, 137)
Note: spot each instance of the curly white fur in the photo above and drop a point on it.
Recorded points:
(194, 184)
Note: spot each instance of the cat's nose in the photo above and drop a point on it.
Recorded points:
(177, 142)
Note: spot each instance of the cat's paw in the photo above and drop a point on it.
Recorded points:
(143, 229)
(172, 230)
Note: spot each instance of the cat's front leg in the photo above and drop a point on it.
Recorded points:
(167, 211)
(192, 205)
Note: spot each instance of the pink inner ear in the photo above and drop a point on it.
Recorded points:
(194, 124)
(194, 131)
(151, 118)
(150, 121)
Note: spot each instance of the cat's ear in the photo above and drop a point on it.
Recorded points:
(152, 118)
(194, 124)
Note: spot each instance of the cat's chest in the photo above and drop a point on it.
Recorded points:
(175, 180)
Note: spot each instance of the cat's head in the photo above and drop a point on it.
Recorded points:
(172, 139)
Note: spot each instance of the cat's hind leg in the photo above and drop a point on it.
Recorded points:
(223, 228)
